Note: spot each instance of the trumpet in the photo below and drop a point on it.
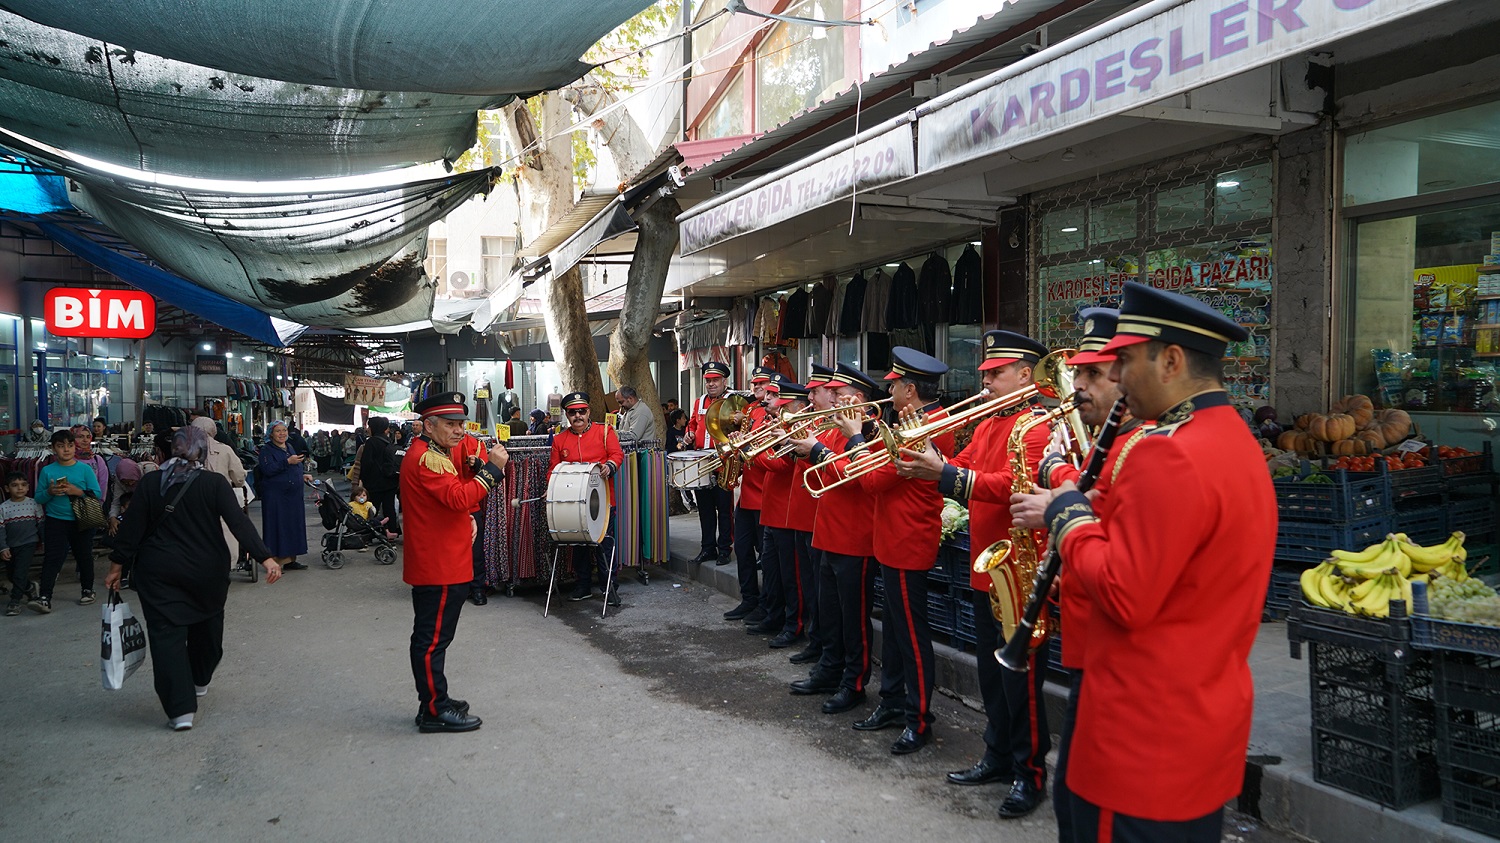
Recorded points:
(886, 445)
(804, 424)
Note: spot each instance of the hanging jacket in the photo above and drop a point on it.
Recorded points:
(934, 290)
(967, 306)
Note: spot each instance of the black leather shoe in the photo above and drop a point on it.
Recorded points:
(910, 742)
(461, 706)
(985, 772)
(294, 566)
(740, 611)
(769, 626)
(477, 597)
(1022, 800)
(845, 700)
(883, 717)
(578, 594)
(756, 616)
(786, 639)
(724, 559)
(806, 656)
(448, 720)
(814, 685)
(704, 556)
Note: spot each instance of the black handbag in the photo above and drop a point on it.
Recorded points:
(88, 512)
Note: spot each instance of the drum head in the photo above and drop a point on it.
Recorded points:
(577, 504)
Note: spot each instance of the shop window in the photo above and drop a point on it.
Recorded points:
(1062, 230)
(1423, 330)
(1181, 207)
(498, 252)
(727, 117)
(1438, 153)
(848, 351)
(962, 344)
(798, 66)
(1242, 195)
(1112, 222)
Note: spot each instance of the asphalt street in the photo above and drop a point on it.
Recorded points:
(661, 722)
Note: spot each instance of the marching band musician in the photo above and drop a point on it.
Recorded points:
(770, 615)
(1095, 395)
(747, 539)
(780, 549)
(1016, 738)
(802, 513)
(586, 442)
(437, 560)
(715, 505)
(468, 457)
(1162, 628)
(909, 515)
(844, 532)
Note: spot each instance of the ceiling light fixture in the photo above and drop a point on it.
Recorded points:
(1070, 229)
(1227, 184)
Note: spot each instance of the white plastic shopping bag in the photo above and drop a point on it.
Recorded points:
(122, 645)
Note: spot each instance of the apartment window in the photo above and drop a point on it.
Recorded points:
(436, 263)
(498, 253)
(798, 66)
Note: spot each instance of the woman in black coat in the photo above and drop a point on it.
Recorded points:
(179, 564)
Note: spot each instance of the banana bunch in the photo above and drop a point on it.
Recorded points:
(1366, 581)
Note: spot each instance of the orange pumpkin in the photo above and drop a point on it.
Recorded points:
(1296, 440)
(1304, 420)
(1332, 427)
(1372, 438)
(1358, 406)
(1349, 448)
(1393, 425)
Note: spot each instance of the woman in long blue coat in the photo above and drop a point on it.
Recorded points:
(278, 474)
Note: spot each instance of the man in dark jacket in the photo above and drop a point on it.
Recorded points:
(379, 472)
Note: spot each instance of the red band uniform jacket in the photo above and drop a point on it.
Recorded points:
(843, 523)
(753, 475)
(437, 503)
(599, 443)
(984, 482)
(1164, 720)
(909, 511)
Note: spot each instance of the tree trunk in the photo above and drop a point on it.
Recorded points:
(629, 363)
(572, 344)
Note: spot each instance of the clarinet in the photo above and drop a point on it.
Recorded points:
(1016, 654)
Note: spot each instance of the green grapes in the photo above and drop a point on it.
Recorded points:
(1470, 601)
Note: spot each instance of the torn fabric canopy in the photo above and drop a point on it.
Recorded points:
(138, 110)
(337, 259)
(447, 46)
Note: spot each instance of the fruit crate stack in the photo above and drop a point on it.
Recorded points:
(1320, 512)
(1372, 709)
(1467, 691)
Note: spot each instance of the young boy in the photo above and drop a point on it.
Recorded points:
(359, 501)
(57, 484)
(20, 529)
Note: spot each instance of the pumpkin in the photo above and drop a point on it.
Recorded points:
(1332, 427)
(1358, 406)
(1372, 438)
(1393, 425)
(1296, 440)
(1349, 448)
(1304, 420)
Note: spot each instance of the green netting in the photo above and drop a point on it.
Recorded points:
(448, 46)
(139, 110)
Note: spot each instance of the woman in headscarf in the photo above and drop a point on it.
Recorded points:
(121, 491)
(278, 475)
(170, 543)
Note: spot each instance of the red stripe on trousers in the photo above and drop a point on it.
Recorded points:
(864, 622)
(1106, 826)
(911, 632)
(437, 631)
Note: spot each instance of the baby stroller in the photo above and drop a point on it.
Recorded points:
(346, 530)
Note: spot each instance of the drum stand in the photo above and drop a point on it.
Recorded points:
(609, 576)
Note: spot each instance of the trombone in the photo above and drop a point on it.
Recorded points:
(885, 447)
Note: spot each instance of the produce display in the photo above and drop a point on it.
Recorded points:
(1470, 601)
(1353, 428)
(955, 518)
(1365, 582)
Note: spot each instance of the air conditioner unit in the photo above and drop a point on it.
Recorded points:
(460, 283)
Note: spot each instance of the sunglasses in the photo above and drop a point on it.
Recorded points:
(581, 411)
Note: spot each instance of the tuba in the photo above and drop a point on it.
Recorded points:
(1012, 563)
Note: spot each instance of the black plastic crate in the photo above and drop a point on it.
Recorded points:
(1467, 690)
(963, 626)
(1372, 735)
(940, 612)
(1475, 516)
(1411, 483)
(1471, 800)
(1429, 633)
(1284, 592)
(1480, 463)
(1422, 525)
(1313, 541)
(1348, 497)
(1387, 640)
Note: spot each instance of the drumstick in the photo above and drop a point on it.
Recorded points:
(516, 502)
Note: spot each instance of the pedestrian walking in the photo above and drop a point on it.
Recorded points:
(279, 474)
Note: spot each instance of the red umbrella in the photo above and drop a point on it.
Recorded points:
(510, 375)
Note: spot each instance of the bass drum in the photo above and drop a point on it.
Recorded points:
(577, 503)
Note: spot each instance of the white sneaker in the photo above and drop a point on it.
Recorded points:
(200, 690)
(183, 723)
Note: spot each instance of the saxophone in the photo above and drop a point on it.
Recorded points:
(1012, 563)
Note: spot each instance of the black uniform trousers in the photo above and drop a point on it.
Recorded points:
(846, 589)
(600, 556)
(772, 587)
(1093, 824)
(1013, 703)
(788, 562)
(906, 662)
(435, 611)
(1062, 797)
(181, 657)
(809, 559)
(747, 543)
(716, 519)
(480, 574)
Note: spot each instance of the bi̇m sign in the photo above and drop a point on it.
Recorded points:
(103, 314)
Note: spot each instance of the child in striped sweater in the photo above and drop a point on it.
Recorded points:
(20, 532)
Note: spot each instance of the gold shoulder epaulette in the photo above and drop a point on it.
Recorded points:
(437, 463)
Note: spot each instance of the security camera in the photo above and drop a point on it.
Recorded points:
(1031, 49)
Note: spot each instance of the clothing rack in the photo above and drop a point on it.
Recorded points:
(641, 507)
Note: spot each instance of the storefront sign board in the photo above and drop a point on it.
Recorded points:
(883, 159)
(1182, 48)
(109, 314)
(363, 390)
(212, 364)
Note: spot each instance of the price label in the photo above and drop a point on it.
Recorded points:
(473, 427)
(1411, 446)
(611, 420)
(502, 432)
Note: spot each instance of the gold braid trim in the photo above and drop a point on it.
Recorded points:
(438, 463)
(1125, 451)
